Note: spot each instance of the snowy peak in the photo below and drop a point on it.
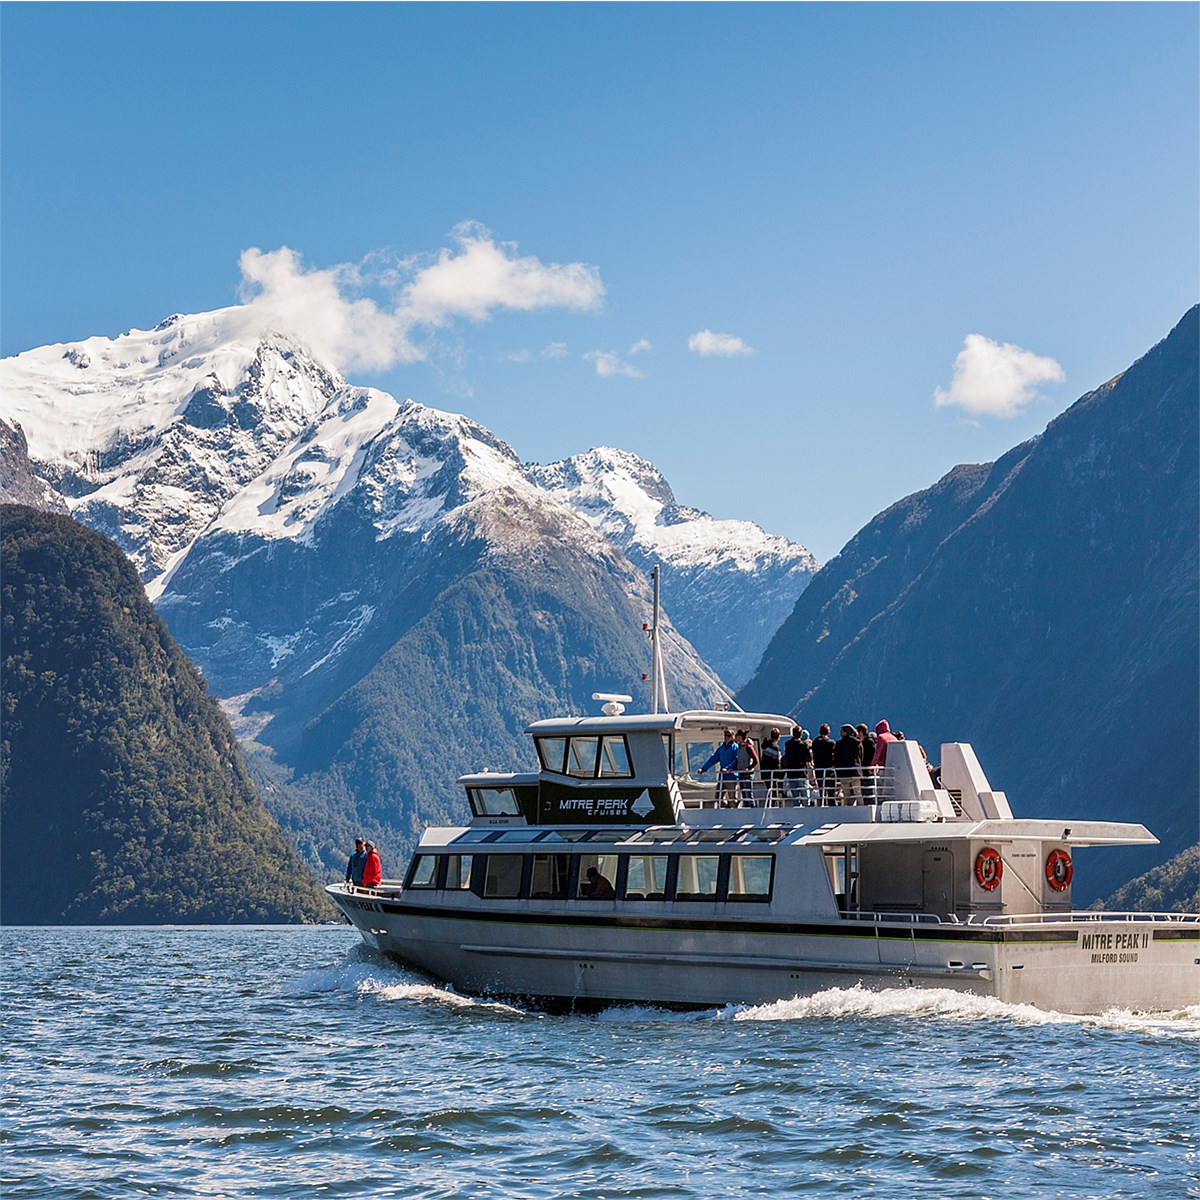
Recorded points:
(629, 500)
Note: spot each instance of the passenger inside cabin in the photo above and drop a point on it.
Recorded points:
(597, 887)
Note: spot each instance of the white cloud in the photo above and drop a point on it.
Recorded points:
(328, 307)
(640, 347)
(609, 363)
(707, 344)
(994, 380)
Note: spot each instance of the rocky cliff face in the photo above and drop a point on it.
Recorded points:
(1043, 607)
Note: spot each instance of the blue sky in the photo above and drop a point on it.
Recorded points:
(849, 191)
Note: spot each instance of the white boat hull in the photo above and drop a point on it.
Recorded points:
(1073, 965)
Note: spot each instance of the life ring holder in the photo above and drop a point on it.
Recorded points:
(989, 868)
(1059, 870)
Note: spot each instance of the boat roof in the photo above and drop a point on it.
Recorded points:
(694, 718)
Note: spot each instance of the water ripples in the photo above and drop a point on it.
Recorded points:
(292, 1063)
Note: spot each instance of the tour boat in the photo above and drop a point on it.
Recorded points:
(618, 872)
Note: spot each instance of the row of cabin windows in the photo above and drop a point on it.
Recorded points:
(712, 877)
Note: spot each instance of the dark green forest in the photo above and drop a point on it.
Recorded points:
(123, 796)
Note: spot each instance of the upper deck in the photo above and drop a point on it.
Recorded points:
(646, 770)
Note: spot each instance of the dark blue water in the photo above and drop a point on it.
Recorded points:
(292, 1063)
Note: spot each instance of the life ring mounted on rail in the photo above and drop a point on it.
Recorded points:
(989, 868)
(1059, 870)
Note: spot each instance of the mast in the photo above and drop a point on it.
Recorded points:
(658, 681)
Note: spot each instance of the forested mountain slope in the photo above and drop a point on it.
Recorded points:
(123, 797)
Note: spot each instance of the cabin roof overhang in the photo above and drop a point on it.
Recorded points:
(656, 722)
(1072, 833)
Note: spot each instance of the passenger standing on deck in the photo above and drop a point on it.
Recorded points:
(771, 758)
(822, 752)
(726, 758)
(868, 780)
(847, 759)
(747, 763)
(797, 762)
(372, 868)
(358, 860)
(883, 736)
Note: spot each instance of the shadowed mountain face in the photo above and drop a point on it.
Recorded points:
(1043, 607)
(123, 797)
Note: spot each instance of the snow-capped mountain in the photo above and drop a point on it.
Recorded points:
(380, 590)
(730, 583)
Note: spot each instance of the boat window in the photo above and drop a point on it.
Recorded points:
(614, 758)
(423, 873)
(519, 835)
(713, 835)
(690, 756)
(668, 752)
(494, 802)
(647, 877)
(549, 880)
(658, 835)
(697, 877)
(750, 876)
(762, 835)
(502, 876)
(567, 835)
(550, 751)
(477, 835)
(458, 872)
(581, 757)
(597, 877)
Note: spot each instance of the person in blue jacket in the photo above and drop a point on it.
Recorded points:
(726, 758)
(358, 860)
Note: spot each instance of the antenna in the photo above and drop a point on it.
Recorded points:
(658, 681)
(615, 704)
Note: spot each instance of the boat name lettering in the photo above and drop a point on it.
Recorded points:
(595, 804)
(1114, 942)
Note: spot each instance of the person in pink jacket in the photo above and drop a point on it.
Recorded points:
(883, 735)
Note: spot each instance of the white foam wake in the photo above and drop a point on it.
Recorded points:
(946, 1004)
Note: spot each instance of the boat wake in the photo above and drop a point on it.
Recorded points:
(364, 973)
(952, 1005)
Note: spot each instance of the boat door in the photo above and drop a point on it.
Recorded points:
(937, 881)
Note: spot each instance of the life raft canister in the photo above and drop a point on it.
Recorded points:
(1059, 870)
(989, 868)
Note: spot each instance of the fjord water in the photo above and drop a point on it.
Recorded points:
(273, 1062)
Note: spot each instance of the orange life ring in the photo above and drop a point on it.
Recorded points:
(1059, 870)
(989, 868)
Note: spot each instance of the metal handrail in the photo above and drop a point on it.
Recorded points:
(1055, 918)
(804, 788)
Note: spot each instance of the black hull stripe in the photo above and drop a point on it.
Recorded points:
(862, 929)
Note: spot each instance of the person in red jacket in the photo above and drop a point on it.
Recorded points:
(883, 735)
(372, 869)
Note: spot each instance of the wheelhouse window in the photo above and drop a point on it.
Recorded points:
(697, 877)
(614, 758)
(549, 878)
(502, 876)
(646, 877)
(750, 877)
(423, 873)
(458, 872)
(597, 877)
(494, 802)
(551, 751)
(581, 757)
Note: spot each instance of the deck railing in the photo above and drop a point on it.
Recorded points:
(1059, 917)
(813, 787)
